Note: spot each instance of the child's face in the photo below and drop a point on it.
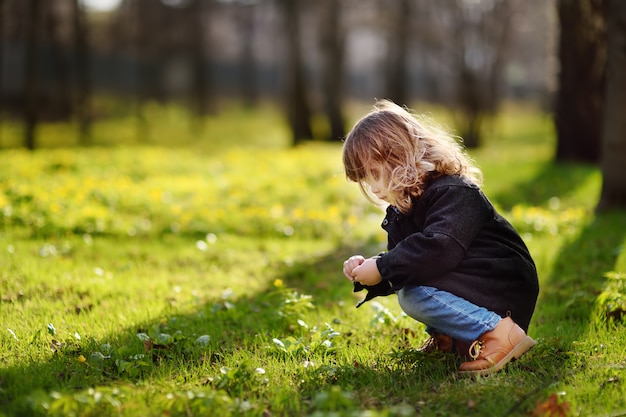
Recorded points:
(378, 184)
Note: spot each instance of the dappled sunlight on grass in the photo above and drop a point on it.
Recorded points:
(532, 221)
(154, 191)
(201, 280)
(165, 125)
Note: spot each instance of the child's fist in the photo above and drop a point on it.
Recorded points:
(350, 264)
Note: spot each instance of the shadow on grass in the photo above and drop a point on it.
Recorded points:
(124, 359)
(403, 376)
(323, 276)
(427, 382)
(572, 330)
(235, 325)
(554, 180)
(565, 310)
(568, 296)
(579, 269)
(566, 302)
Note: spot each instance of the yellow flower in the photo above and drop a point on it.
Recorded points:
(82, 359)
(278, 282)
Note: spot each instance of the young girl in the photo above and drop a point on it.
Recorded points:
(456, 264)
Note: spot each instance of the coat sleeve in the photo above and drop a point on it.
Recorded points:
(454, 215)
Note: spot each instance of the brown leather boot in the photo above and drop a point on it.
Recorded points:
(445, 344)
(494, 349)
(438, 343)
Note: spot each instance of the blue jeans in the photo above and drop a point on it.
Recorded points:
(443, 312)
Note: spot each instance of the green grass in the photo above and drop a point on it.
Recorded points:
(206, 280)
(172, 126)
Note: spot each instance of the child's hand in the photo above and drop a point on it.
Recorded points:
(350, 264)
(367, 272)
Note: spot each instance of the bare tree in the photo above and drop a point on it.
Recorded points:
(31, 80)
(142, 26)
(332, 47)
(399, 34)
(298, 109)
(199, 84)
(578, 116)
(61, 106)
(142, 76)
(2, 13)
(614, 124)
(481, 41)
(248, 64)
(83, 84)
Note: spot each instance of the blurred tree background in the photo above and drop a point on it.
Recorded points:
(61, 59)
(309, 56)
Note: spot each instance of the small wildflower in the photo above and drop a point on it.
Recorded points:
(13, 334)
(82, 359)
(203, 340)
(278, 283)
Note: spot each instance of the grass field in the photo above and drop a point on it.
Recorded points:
(204, 278)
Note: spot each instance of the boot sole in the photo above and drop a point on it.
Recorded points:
(522, 347)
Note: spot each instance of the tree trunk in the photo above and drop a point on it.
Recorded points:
(331, 44)
(579, 100)
(142, 76)
(60, 104)
(501, 21)
(481, 39)
(397, 71)
(83, 85)
(31, 79)
(200, 83)
(471, 102)
(248, 64)
(2, 103)
(614, 129)
(298, 110)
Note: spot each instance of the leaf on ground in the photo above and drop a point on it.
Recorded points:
(55, 345)
(552, 407)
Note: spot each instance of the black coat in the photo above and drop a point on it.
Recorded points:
(454, 240)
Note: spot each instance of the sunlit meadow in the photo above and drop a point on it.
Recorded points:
(159, 279)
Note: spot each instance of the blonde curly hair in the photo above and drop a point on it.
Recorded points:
(406, 150)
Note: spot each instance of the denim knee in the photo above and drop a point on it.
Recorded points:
(447, 313)
(412, 301)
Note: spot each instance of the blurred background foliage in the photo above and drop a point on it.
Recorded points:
(161, 71)
(87, 60)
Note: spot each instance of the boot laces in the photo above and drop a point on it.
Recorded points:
(431, 344)
(475, 348)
